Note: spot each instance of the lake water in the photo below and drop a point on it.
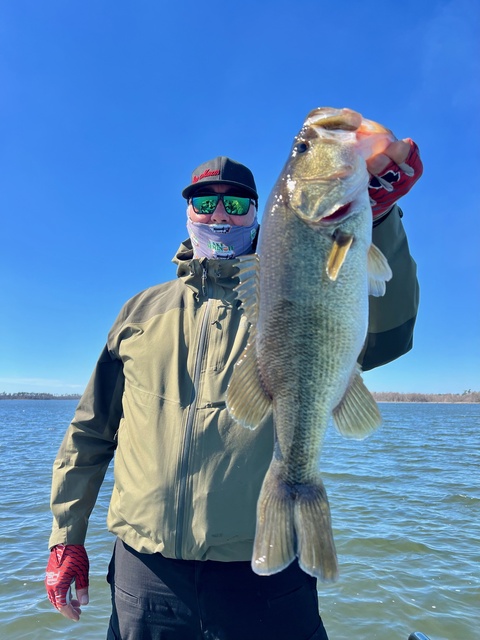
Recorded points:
(406, 515)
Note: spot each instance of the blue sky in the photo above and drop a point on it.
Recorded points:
(107, 106)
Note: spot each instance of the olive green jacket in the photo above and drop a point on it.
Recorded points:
(187, 477)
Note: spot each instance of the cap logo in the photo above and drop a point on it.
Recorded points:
(208, 173)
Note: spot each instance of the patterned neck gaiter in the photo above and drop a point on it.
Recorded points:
(221, 241)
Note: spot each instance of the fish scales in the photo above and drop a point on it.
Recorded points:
(296, 329)
(309, 315)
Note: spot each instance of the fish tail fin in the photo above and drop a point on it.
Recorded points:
(274, 546)
(313, 527)
(357, 414)
(294, 520)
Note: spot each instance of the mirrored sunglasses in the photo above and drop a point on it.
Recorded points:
(234, 205)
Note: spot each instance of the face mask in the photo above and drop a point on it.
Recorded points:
(221, 241)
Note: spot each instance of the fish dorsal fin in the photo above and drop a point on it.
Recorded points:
(249, 285)
(379, 272)
(247, 400)
(357, 415)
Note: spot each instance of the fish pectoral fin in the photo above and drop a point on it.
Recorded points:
(248, 287)
(357, 415)
(379, 272)
(294, 520)
(340, 247)
(247, 400)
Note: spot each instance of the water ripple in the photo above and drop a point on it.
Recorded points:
(405, 508)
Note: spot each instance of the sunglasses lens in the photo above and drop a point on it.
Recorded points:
(236, 206)
(205, 204)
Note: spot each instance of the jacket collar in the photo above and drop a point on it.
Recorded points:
(191, 270)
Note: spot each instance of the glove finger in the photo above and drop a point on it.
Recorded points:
(82, 595)
(70, 611)
(379, 163)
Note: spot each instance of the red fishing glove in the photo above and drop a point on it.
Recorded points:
(66, 564)
(394, 181)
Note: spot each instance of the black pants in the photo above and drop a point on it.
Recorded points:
(156, 598)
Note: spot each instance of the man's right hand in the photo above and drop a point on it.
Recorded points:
(67, 563)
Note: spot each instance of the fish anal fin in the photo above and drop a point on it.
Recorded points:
(357, 415)
(379, 272)
(247, 401)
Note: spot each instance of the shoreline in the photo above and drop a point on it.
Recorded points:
(393, 397)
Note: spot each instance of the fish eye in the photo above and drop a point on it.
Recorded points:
(301, 147)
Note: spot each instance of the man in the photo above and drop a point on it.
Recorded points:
(187, 477)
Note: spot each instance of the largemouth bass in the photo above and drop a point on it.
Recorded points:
(306, 296)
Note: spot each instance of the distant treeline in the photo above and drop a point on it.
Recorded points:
(27, 395)
(393, 396)
(380, 396)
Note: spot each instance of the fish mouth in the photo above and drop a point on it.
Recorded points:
(332, 217)
(339, 214)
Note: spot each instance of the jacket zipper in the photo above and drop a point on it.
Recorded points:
(187, 441)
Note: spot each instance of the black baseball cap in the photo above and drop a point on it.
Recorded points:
(222, 170)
